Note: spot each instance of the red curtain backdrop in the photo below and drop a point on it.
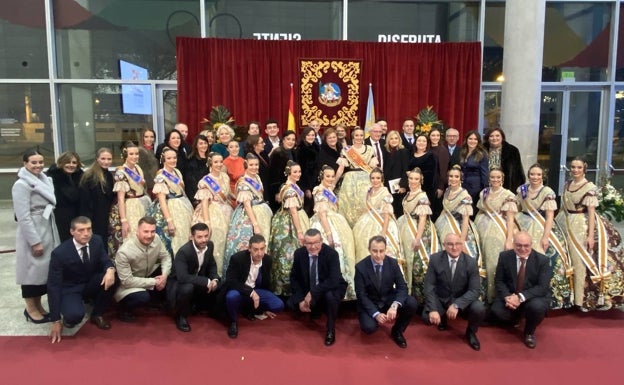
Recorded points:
(252, 78)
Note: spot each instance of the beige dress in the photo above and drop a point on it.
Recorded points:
(492, 227)
(598, 277)
(355, 181)
(325, 202)
(414, 206)
(370, 224)
(180, 210)
(214, 191)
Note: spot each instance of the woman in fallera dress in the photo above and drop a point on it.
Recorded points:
(132, 202)
(333, 226)
(287, 228)
(171, 208)
(594, 245)
(538, 204)
(357, 161)
(214, 209)
(495, 223)
(378, 220)
(96, 190)
(455, 218)
(419, 238)
(252, 215)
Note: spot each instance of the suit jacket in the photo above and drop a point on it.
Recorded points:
(382, 149)
(407, 144)
(536, 278)
(329, 276)
(186, 267)
(238, 270)
(69, 275)
(440, 289)
(454, 157)
(372, 299)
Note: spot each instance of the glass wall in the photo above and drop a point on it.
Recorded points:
(493, 41)
(23, 52)
(413, 21)
(24, 122)
(619, 74)
(91, 37)
(274, 20)
(576, 41)
(92, 116)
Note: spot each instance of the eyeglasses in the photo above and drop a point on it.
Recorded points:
(525, 245)
(453, 244)
(312, 243)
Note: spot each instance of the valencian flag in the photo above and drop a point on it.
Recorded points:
(370, 110)
(291, 110)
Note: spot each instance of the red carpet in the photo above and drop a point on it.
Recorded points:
(572, 349)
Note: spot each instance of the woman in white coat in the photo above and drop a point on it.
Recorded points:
(36, 235)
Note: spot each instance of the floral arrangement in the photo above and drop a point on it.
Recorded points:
(610, 202)
(218, 115)
(427, 119)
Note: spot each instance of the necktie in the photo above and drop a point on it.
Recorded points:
(313, 271)
(379, 158)
(84, 254)
(453, 266)
(451, 150)
(378, 275)
(521, 274)
(410, 140)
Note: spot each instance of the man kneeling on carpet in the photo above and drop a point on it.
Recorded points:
(247, 285)
(143, 265)
(522, 286)
(80, 269)
(194, 281)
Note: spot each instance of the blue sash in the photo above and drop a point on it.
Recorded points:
(524, 191)
(253, 183)
(486, 192)
(214, 186)
(133, 175)
(171, 177)
(297, 189)
(330, 196)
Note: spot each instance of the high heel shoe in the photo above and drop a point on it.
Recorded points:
(45, 318)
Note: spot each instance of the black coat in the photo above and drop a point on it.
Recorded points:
(327, 156)
(95, 203)
(511, 164)
(307, 155)
(67, 192)
(196, 168)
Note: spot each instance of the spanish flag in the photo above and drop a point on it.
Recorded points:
(291, 110)
(370, 110)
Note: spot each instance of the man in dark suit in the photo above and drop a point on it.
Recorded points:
(79, 269)
(452, 288)
(384, 128)
(247, 284)
(452, 138)
(382, 293)
(374, 140)
(195, 270)
(315, 124)
(407, 134)
(522, 287)
(316, 282)
(272, 140)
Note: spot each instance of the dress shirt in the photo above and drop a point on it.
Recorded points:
(451, 149)
(253, 274)
(410, 139)
(200, 254)
(275, 143)
(78, 246)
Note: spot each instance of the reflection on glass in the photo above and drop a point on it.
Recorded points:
(576, 41)
(170, 109)
(584, 126)
(413, 22)
(617, 159)
(91, 117)
(491, 110)
(24, 122)
(550, 124)
(619, 72)
(275, 20)
(494, 37)
(23, 53)
(141, 32)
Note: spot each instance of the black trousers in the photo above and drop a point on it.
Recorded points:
(404, 315)
(188, 295)
(474, 313)
(534, 310)
(328, 302)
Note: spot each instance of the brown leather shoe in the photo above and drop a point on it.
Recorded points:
(100, 322)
